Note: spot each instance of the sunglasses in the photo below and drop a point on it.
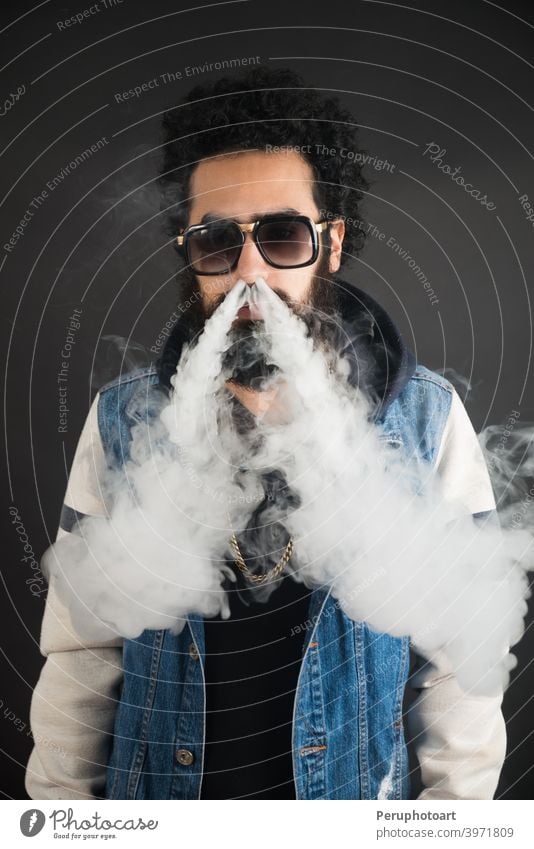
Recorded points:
(284, 241)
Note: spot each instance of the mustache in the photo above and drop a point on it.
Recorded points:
(320, 310)
(219, 299)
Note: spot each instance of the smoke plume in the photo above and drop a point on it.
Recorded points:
(367, 522)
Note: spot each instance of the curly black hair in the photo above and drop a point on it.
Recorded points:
(264, 107)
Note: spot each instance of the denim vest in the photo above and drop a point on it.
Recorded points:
(348, 739)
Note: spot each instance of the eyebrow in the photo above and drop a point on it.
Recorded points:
(209, 217)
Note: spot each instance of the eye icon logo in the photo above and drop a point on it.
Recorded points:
(31, 822)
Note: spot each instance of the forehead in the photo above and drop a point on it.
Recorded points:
(239, 185)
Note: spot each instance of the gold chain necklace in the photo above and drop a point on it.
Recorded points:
(266, 576)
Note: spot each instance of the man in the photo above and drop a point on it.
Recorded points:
(287, 698)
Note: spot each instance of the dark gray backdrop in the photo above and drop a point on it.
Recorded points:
(458, 75)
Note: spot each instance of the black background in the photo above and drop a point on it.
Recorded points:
(459, 75)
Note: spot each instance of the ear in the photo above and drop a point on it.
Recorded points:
(337, 234)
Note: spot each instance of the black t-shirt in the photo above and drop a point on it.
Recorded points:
(252, 666)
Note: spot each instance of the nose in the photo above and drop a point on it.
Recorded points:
(251, 264)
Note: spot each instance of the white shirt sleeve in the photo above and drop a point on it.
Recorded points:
(460, 463)
(74, 702)
(459, 738)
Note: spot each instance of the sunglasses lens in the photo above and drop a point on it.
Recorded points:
(213, 249)
(286, 243)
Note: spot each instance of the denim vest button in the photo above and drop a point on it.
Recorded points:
(184, 757)
(193, 651)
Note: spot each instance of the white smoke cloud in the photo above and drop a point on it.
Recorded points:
(370, 525)
(153, 560)
(379, 531)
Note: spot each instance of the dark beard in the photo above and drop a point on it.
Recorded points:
(245, 362)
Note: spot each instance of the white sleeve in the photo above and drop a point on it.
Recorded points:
(73, 705)
(459, 738)
(460, 463)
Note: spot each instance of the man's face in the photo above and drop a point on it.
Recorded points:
(244, 187)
